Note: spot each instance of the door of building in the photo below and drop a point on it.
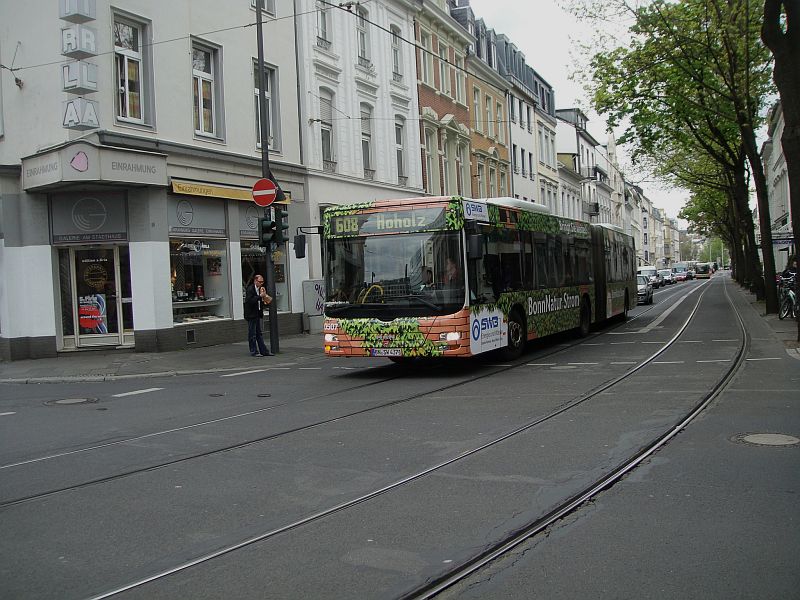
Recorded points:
(101, 297)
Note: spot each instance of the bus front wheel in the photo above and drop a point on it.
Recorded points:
(517, 335)
(586, 319)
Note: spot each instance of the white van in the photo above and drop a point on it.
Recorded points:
(651, 273)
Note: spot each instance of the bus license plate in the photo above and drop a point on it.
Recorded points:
(387, 352)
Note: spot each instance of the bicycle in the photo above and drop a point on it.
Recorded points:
(787, 299)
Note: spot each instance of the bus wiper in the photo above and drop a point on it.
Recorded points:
(422, 299)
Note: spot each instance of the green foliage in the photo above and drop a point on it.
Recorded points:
(403, 333)
(342, 211)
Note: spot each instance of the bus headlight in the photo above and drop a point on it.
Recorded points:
(329, 337)
(450, 336)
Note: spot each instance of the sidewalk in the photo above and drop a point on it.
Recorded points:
(102, 365)
(106, 365)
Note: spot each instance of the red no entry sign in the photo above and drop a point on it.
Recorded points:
(264, 191)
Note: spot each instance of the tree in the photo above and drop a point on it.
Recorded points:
(694, 73)
(781, 34)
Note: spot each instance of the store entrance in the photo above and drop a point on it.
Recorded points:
(97, 308)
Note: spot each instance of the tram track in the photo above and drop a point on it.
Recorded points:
(574, 501)
(494, 370)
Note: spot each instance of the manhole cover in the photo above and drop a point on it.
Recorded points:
(67, 401)
(768, 439)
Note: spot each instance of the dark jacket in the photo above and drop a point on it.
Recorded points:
(253, 306)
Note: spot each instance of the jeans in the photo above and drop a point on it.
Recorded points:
(254, 337)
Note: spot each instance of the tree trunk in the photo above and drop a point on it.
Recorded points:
(753, 273)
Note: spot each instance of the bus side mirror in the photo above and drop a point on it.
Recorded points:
(475, 246)
(300, 246)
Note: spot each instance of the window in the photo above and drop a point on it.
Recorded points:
(513, 105)
(446, 168)
(323, 26)
(492, 182)
(460, 80)
(326, 129)
(530, 123)
(541, 143)
(522, 157)
(521, 123)
(268, 5)
(362, 33)
(489, 122)
(500, 124)
(366, 140)
(128, 61)
(476, 108)
(481, 181)
(444, 70)
(204, 87)
(270, 101)
(514, 163)
(463, 172)
(426, 58)
(530, 163)
(503, 176)
(199, 272)
(430, 154)
(397, 55)
(399, 144)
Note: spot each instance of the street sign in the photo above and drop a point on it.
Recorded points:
(264, 191)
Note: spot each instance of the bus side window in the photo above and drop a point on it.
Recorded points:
(528, 264)
(542, 279)
(569, 260)
(510, 261)
(584, 262)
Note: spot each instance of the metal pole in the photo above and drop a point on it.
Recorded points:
(274, 344)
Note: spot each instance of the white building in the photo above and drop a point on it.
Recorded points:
(128, 150)
(359, 106)
(780, 208)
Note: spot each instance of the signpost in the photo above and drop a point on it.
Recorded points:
(264, 192)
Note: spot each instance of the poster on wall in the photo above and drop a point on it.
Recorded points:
(92, 316)
(214, 266)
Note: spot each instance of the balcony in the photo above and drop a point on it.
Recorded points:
(363, 61)
(323, 43)
(397, 77)
(402, 180)
(591, 208)
(329, 166)
(594, 173)
(369, 174)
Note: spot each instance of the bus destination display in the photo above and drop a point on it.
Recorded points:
(393, 221)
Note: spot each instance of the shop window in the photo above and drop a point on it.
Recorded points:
(199, 275)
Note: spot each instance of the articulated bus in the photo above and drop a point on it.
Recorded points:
(454, 277)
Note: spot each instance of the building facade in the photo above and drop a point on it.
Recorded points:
(780, 208)
(125, 174)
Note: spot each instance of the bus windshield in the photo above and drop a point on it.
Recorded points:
(389, 276)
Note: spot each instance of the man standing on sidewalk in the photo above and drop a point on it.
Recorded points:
(255, 299)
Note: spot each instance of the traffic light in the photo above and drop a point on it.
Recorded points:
(267, 231)
(281, 216)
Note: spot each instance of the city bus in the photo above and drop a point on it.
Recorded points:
(702, 270)
(455, 277)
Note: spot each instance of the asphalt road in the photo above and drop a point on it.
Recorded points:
(425, 468)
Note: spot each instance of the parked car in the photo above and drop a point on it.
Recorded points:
(680, 275)
(666, 276)
(652, 274)
(645, 289)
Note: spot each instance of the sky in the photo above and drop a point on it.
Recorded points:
(547, 36)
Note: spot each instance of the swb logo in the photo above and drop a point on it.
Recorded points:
(484, 324)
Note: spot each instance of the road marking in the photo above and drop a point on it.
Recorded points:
(667, 362)
(136, 392)
(310, 369)
(763, 359)
(278, 369)
(620, 343)
(7, 414)
(243, 373)
(691, 342)
(663, 315)
(624, 362)
(724, 340)
(541, 364)
(662, 343)
(717, 360)
(593, 344)
(581, 364)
